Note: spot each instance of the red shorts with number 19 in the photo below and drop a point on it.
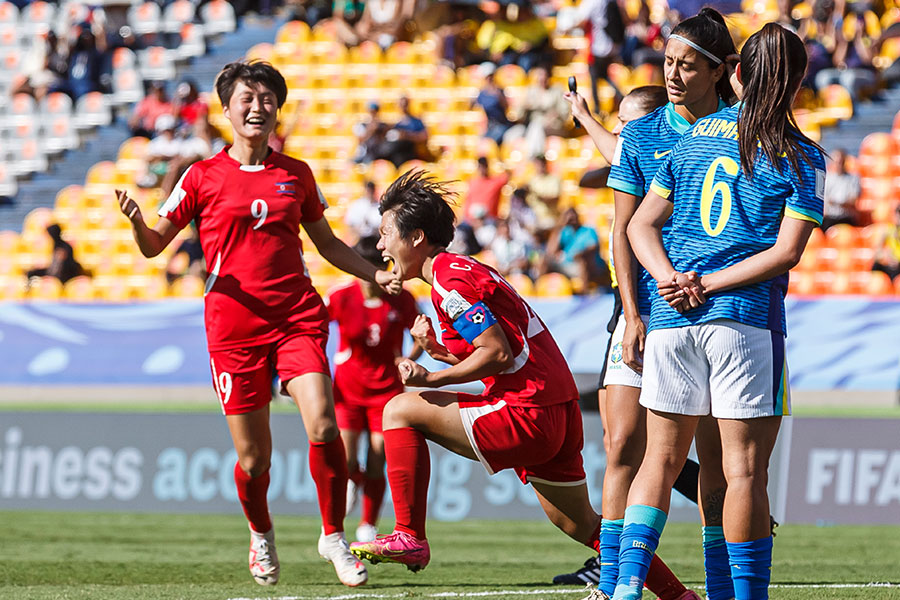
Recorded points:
(542, 444)
(242, 378)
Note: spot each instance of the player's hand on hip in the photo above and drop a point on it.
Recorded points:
(389, 282)
(412, 373)
(129, 207)
(633, 345)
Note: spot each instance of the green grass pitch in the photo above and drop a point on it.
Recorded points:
(75, 556)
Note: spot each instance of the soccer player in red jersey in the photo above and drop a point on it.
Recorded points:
(261, 310)
(371, 325)
(528, 417)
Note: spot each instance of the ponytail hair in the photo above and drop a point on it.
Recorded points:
(773, 65)
(708, 30)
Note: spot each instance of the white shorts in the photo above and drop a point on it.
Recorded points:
(617, 372)
(723, 368)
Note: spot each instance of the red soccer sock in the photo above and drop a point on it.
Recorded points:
(357, 476)
(594, 542)
(408, 471)
(251, 492)
(373, 496)
(662, 581)
(328, 466)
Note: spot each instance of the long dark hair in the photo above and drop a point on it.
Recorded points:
(420, 201)
(708, 30)
(773, 65)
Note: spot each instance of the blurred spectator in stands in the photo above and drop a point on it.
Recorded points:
(890, 76)
(887, 253)
(85, 62)
(363, 216)
(406, 140)
(510, 252)
(545, 112)
(195, 142)
(155, 104)
(643, 40)
(605, 27)
(309, 11)
(842, 189)
(457, 36)
(574, 251)
(852, 58)
(521, 38)
(521, 217)
(63, 265)
(44, 67)
(484, 192)
(544, 190)
(160, 151)
(483, 226)
(383, 22)
(187, 259)
(493, 101)
(370, 135)
(187, 105)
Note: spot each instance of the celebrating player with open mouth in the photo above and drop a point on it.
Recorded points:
(528, 417)
(741, 193)
(261, 309)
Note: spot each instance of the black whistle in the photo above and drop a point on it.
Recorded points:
(573, 87)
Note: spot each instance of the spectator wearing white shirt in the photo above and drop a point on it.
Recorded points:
(842, 189)
(363, 216)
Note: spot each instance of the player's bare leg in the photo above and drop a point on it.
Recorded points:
(569, 508)
(253, 443)
(409, 419)
(328, 466)
(711, 496)
(350, 438)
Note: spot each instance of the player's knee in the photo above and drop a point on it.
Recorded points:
(323, 430)
(625, 450)
(397, 411)
(254, 465)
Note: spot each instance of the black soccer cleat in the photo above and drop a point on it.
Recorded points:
(588, 574)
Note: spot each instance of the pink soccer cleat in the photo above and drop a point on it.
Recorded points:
(397, 547)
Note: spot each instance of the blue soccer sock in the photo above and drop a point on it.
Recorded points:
(610, 535)
(719, 585)
(640, 537)
(751, 568)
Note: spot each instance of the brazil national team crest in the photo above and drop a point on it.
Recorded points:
(616, 353)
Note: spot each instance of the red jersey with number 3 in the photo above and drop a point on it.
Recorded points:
(469, 297)
(371, 337)
(248, 217)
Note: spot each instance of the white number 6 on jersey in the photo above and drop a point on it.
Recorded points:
(260, 210)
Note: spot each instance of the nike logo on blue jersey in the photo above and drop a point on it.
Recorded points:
(658, 155)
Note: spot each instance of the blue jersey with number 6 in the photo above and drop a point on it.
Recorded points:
(721, 217)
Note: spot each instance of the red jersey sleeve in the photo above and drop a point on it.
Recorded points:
(313, 203)
(184, 203)
(333, 303)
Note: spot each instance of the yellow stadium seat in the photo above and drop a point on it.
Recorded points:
(36, 221)
(292, 33)
(188, 286)
(522, 283)
(46, 288)
(801, 283)
(553, 285)
(12, 287)
(79, 289)
(836, 102)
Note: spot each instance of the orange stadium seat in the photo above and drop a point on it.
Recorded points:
(12, 287)
(522, 283)
(842, 236)
(878, 284)
(46, 288)
(79, 289)
(188, 286)
(553, 285)
(292, 33)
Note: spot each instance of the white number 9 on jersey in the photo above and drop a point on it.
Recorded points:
(259, 210)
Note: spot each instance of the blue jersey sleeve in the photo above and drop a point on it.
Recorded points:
(625, 173)
(807, 200)
(664, 181)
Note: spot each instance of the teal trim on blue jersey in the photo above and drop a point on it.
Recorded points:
(803, 215)
(624, 186)
(646, 515)
(678, 123)
(720, 217)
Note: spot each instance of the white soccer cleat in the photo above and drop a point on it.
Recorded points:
(366, 532)
(350, 570)
(353, 491)
(264, 564)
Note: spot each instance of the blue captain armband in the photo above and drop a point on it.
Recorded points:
(475, 321)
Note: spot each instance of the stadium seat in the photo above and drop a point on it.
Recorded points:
(70, 14)
(9, 13)
(123, 58)
(842, 236)
(59, 134)
(878, 284)
(12, 288)
(8, 185)
(522, 283)
(553, 285)
(9, 35)
(156, 64)
(37, 18)
(292, 33)
(46, 288)
(218, 17)
(127, 86)
(145, 18)
(92, 110)
(30, 156)
(188, 286)
(193, 42)
(79, 289)
(176, 14)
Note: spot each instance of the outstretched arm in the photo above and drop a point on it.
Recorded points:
(151, 241)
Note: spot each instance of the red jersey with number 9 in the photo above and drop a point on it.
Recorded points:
(258, 289)
(371, 337)
(469, 297)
